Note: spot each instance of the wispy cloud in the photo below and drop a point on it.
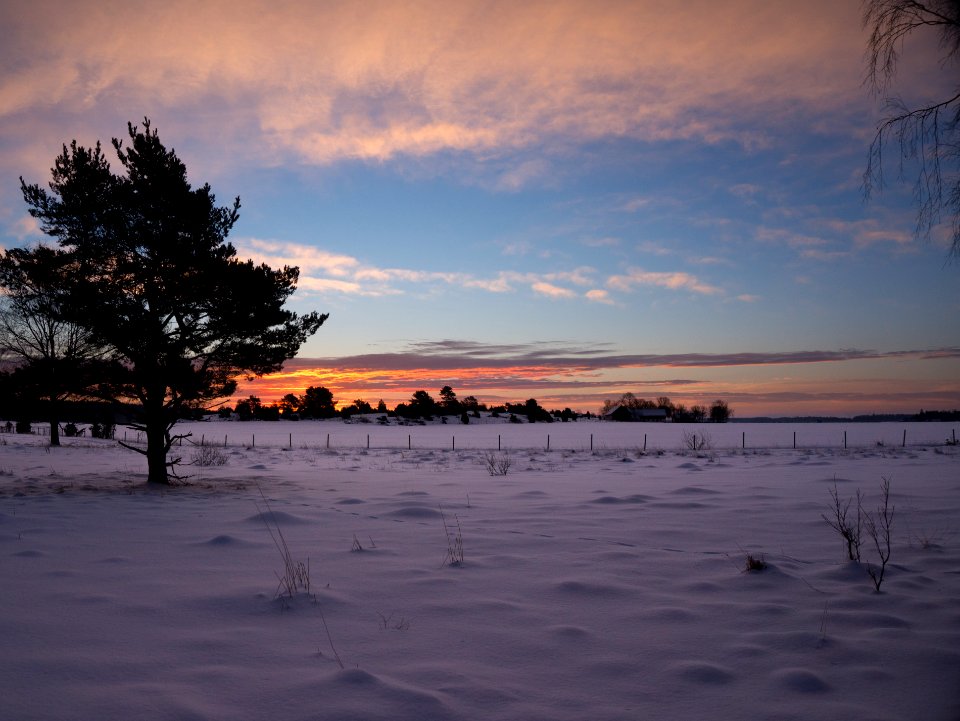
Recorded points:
(559, 357)
(869, 232)
(310, 259)
(672, 281)
(552, 291)
(745, 191)
(651, 248)
(824, 255)
(598, 295)
(635, 204)
(25, 228)
(833, 238)
(791, 238)
(325, 272)
(606, 242)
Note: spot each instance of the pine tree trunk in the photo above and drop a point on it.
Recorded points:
(54, 418)
(53, 409)
(156, 427)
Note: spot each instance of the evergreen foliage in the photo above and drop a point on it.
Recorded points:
(143, 265)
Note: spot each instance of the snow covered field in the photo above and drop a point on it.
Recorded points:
(595, 585)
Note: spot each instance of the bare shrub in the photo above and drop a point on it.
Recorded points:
(497, 464)
(927, 538)
(841, 521)
(878, 528)
(696, 441)
(206, 455)
(755, 563)
(389, 623)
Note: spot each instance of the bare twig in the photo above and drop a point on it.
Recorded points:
(850, 530)
(878, 528)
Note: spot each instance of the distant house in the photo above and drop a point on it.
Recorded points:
(636, 415)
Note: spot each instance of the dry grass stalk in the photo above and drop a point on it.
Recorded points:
(454, 534)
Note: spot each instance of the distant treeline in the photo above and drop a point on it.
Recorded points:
(318, 402)
(82, 411)
(948, 416)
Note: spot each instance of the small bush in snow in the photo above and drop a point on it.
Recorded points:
(695, 441)
(209, 456)
(878, 528)
(389, 623)
(498, 464)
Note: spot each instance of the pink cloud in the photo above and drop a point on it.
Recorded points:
(552, 291)
(671, 281)
(599, 296)
(326, 81)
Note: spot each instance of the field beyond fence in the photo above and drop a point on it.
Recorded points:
(572, 436)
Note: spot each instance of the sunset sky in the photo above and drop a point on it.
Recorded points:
(558, 200)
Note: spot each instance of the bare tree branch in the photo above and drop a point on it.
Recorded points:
(927, 138)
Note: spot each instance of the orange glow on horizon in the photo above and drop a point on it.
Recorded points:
(587, 390)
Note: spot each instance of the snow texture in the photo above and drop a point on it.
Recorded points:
(591, 588)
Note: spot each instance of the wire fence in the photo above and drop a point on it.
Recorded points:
(550, 437)
(581, 436)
